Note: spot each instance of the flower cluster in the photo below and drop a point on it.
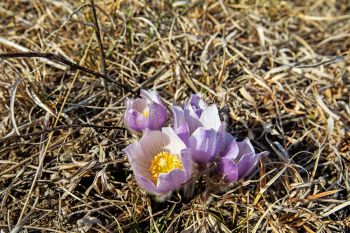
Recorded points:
(167, 158)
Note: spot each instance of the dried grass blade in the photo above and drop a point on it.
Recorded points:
(323, 194)
(337, 208)
(37, 101)
(262, 190)
(321, 103)
(12, 105)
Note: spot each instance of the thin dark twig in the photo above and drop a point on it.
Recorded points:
(100, 46)
(330, 61)
(60, 59)
(47, 130)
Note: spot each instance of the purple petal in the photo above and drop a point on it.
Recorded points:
(228, 138)
(158, 116)
(139, 161)
(171, 181)
(187, 162)
(245, 147)
(197, 103)
(232, 151)
(246, 164)
(228, 168)
(146, 183)
(137, 104)
(205, 145)
(135, 153)
(198, 111)
(179, 116)
(184, 133)
(254, 162)
(191, 119)
(210, 118)
(194, 100)
(135, 120)
(175, 144)
(153, 142)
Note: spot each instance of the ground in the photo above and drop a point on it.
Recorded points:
(278, 70)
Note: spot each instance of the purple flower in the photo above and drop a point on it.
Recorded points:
(160, 161)
(193, 115)
(238, 161)
(147, 112)
(201, 129)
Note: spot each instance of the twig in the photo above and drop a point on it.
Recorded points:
(330, 61)
(60, 128)
(26, 50)
(100, 46)
(60, 59)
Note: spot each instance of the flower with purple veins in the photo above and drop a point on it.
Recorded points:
(186, 118)
(206, 145)
(201, 130)
(147, 112)
(193, 115)
(160, 162)
(238, 161)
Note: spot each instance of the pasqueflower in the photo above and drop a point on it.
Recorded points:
(193, 115)
(159, 162)
(147, 112)
(238, 161)
(201, 129)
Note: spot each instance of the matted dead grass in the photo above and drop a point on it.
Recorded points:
(279, 71)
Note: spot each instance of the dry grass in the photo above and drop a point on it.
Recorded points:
(279, 71)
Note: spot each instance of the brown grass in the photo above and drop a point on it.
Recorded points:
(279, 71)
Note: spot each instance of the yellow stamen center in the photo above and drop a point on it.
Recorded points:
(145, 112)
(164, 162)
